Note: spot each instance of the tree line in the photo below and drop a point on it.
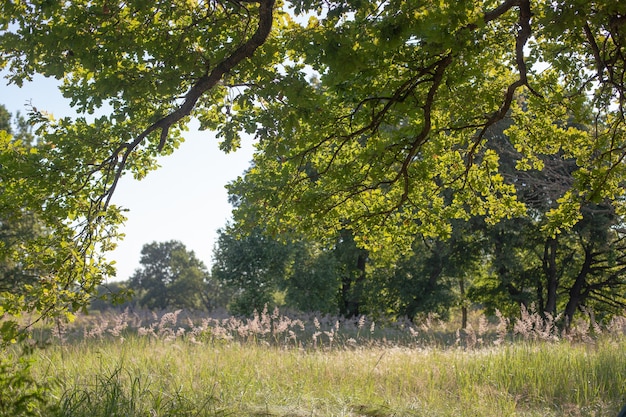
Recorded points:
(496, 266)
(418, 130)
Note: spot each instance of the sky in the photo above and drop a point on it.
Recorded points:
(184, 200)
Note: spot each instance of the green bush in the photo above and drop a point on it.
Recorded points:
(20, 393)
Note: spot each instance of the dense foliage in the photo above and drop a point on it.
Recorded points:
(374, 120)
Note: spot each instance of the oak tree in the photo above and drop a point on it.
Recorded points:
(380, 119)
(135, 72)
(370, 116)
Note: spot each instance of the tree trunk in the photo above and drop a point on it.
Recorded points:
(463, 306)
(550, 272)
(353, 276)
(351, 288)
(576, 296)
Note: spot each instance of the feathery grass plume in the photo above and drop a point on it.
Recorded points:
(170, 318)
(121, 323)
(331, 337)
(482, 326)
(323, 331)
(502, 328)
(97, 331)
(314, 338)
(361, 322)
(471, 340)
(60, 330)
(617, 326)
(524, 324)
(578, 331)
(533, 326)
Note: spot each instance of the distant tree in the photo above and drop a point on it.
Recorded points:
(252, 266)
(5, 119)
(432, 278)
(111, 295)
(313, 276)
(351, 267)
(312, 282)
(17, 126)
(171, 277)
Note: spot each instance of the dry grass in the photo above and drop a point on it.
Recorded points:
(172, 364)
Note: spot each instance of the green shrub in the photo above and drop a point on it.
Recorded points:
(20, 393)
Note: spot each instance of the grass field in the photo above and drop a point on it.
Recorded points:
(276, 366)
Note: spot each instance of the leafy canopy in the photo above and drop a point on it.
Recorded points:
(388, 136)
(371, 116)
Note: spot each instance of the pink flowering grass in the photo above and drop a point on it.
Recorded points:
(316, 331)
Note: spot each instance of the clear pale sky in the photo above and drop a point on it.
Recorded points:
(184, 200)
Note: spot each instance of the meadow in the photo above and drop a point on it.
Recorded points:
(274, 364)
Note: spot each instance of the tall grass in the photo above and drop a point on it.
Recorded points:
(271, 365)
(145, 378)
(310, 331)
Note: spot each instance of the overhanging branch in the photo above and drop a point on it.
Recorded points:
(202, 85)
(523, 35)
